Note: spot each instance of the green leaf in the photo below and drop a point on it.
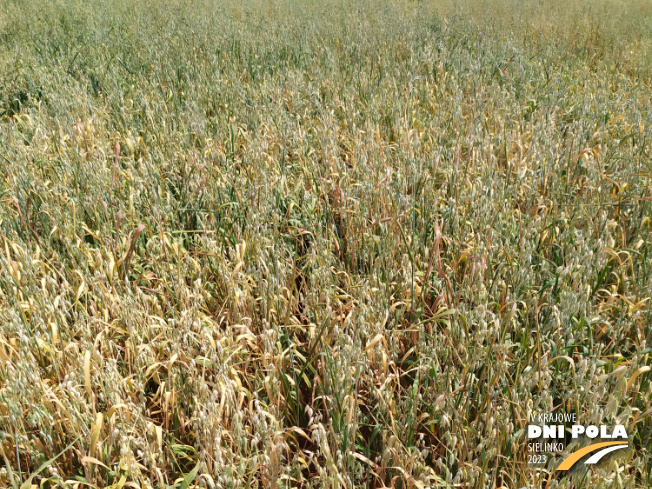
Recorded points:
(189, 477)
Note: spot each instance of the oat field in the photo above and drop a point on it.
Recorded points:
(322, 244)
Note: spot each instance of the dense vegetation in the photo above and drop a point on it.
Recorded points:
(321, 244)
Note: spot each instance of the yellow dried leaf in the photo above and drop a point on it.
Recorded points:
(93, 460)
(95, 432)
(636, 374)
(87, 372)
(373, 342)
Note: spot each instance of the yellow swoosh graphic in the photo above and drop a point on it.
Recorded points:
(574, 457)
